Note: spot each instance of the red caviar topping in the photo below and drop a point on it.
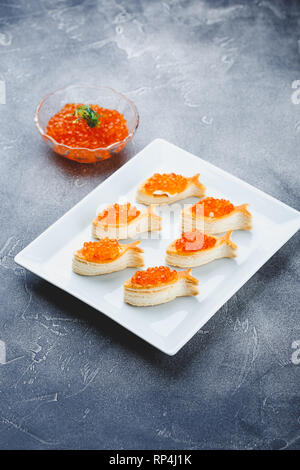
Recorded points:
(194, 241)
(211, 207)
(66, 129)
(168, 182)
(119, 214)
(105, 249)
(154, 276)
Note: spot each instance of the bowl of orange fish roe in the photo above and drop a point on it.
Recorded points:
(86, 123)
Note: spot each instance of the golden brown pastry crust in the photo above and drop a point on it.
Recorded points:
(223, 248)
(147, 221)
(194, 188)
(239, 219)
(185, 285)
(130, 257)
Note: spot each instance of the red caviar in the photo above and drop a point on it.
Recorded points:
(212, 207)
(154, 276)
(167, 182)
(106, 249)
(119, 214)
(62, 128)
(194, 241)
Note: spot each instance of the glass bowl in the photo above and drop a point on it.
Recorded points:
(103, 96)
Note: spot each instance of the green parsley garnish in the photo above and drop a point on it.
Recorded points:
(88, 114)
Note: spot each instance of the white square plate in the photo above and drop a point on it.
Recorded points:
(169, 326)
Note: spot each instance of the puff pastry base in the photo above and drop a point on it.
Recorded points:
(194, 188)
(147, 221)
(239, 219)
(130, 257)
(224, 248)
(146, 297)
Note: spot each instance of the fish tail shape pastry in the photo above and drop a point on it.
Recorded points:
(159, 285)
(107, 256)
(211, 215)
(125, 221)
(167, 188)
(195, 249)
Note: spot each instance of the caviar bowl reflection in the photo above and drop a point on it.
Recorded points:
(86, 123)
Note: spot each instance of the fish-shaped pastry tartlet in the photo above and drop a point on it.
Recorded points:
(195, 248)
(123, 221)
(158, 285)
(212, 215)
(167, 188)
(106, 256)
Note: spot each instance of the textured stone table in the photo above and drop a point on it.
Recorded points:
(216, 79)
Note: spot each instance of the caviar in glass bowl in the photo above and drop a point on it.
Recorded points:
(86, 123)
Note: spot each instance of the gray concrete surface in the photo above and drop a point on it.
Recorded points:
(216, 79)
